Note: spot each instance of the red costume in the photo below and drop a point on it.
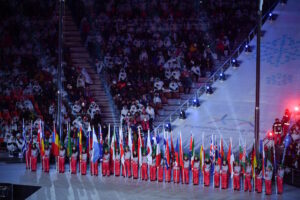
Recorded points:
(258, 186)
(126, 171)
(46, 160)
(61, 161)
(135, 168)
(217, 176)
(236, 177)
(224, 177)
(161, 173)
(144, 168)
(206, 169)
(176, 174)
(248, 175)
(186, 171)
(117, 165)
(28, 155)
(153, 170)
(74, 162)
(105, 165)
(268, 182)
(280, 175)
(196, 172)
(33, 159)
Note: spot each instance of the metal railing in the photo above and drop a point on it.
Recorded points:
(215, 76)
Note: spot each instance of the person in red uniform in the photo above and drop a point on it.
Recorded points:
(74, 160)
(28, 152)
(196, 168)
(277, 130)
(258, 176)
(248, 176)
(236, 175)
(105, 163)
(176, 172)
(285, 121)
(135, 165)
(33, 158)
(153, 169)
(217, 175)
(268, 180)
(46, 158)
(144, 170)
(83, 162)
(93, 165)
(161, 171)
(61, 159)
(280, 175)
(207, 167)
(127, 169)
(117, 163)
(224, 175)
(186, 170)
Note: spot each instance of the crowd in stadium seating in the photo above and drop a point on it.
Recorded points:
(150, 51)
(29, 41)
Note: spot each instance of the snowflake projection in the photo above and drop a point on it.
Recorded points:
(279, 51)
(279, 79)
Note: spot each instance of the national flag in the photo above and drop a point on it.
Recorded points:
(100, 144)
(212, 150)
(80, 142)
(180, 152)
(69, 149)
(177, 152)
(240, 151)
(24, 147)
(90, 138)
(41, 139)
(167, 152)
(244, 158)
(216, 149)
(172, 146)
(140, 148)
(55, 142)
(254, 162)
(229, 157)
(192, 152)
(96, 147)
(221, 152)
(202, 154)
(121, 146)
(263, 159)
(130, 144)
(158, 154)
(149, 149)
(112, 147)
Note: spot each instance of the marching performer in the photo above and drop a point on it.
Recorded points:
(196, 171)
(144, 166)
(176, 173)
(186, 170)
(127, 169)
(217, 175)
(117, 162)
(161, 171)
(33, 157)
(105, 163)
(28, 152)
(268, 180)
(46, 158)
(74, 160)
(248, 175)
(236, 175)
(83, 162)
(93, 165)
(277, 130)
(207, 167)
(153, 170)
(61, 159)
(224, 175)
(135, 165)
(280, 175)
(258, 185)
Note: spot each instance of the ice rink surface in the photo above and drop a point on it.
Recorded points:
(228, 112)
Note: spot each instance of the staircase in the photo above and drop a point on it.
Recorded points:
(81, 58)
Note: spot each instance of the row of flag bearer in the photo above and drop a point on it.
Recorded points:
(146, 161)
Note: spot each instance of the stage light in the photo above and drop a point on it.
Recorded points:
(196, 102)
(270, 135)
(222, 76)
(182, 115)
(209, 89)
(296, 108)
(234, 62)
(270, 14)
(247, 48)
(168, 127)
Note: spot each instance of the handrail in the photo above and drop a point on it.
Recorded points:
(214, 76)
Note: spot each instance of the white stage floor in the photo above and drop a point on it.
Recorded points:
(228, 112)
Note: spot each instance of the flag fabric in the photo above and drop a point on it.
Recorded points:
(80, 142)
(90, 137)
(158, 154)
(212, 150)
(229, 158)
(216, 149)
(177, 152)
(202, 154)
(172, 146)
(96, 147)
(192, 152)
(130, 144)
(180, 151)
(167, 152)
(221, 152)
(112, 147)
(240, 151)
(244, 158)
(41, 139)
(69, 149)
(140, 148)
(55, 142)
(263, 159)
(100, 144)
(25, 146)
(122, 156)
(254, 162)
(149, 149)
